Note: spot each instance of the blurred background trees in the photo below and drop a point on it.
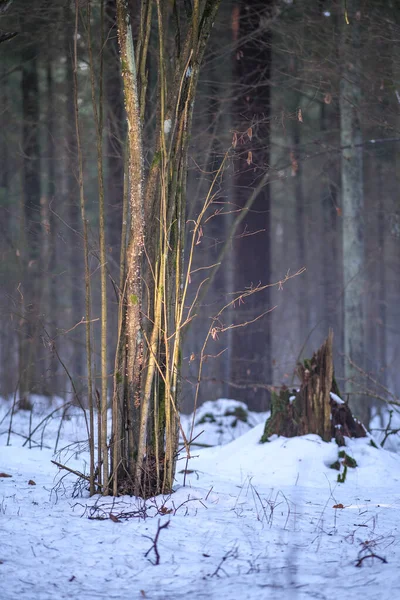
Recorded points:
(299, 102)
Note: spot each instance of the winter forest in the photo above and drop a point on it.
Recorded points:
(199, 202)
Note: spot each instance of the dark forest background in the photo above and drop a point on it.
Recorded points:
(276, 85)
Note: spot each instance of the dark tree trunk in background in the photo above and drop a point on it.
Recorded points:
(7, 335)
(295, 129)
(50, 224)
(32, 217)
(115, 131)
(331, 231)
(75, 303)
(251, 352)
(353, 211)
(115, 150)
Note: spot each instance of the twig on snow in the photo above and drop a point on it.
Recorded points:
(155, 542)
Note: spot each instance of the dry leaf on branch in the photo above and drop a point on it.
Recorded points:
(114, 519)
(294, 163)
(165, 511)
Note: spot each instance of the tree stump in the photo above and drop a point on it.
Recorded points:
(312, 409)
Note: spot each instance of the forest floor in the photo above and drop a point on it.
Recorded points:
(252, 521)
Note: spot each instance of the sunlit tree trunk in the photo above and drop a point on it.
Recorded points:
(152, 314)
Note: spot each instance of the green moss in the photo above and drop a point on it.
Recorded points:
(118, 377)
(348, 460)
(156, 159)
(345, 460)
(239, 413)
(281, 421)
(207, 418)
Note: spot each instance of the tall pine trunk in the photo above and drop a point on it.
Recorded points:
(352, 208)
(251, 345)
(29, 355)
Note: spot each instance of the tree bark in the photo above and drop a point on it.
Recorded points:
(313, 409)
(147, 393)
(251, 345)
(32, 213)
(352, 208)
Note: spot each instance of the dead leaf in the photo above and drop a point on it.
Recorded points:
(31, 482)
(328, 98)
(338, 211)
(234, 139)
(249, 157)
(300, 115)
(199, 235)
(294, 163)
(114, 519)
(338, 506)
(165, 511)
(72, 578)
(5, 475)
(235, 22)
(250, 133)
(214, 333)
(143, 593)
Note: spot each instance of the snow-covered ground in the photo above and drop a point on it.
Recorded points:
(253, 520)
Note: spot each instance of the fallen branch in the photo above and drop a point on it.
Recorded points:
(371, 555)
(77, 473)
(155, 542)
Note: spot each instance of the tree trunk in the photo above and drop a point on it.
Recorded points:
(146, 398)
(32, 214)
(251, 351)
(352, 209)
(331, 231)
(313, 409)
(75, 301)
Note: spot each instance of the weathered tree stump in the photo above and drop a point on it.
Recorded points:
(312, 409)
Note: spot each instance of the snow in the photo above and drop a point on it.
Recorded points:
(167, 126)
(253, 520)
(336, 398)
